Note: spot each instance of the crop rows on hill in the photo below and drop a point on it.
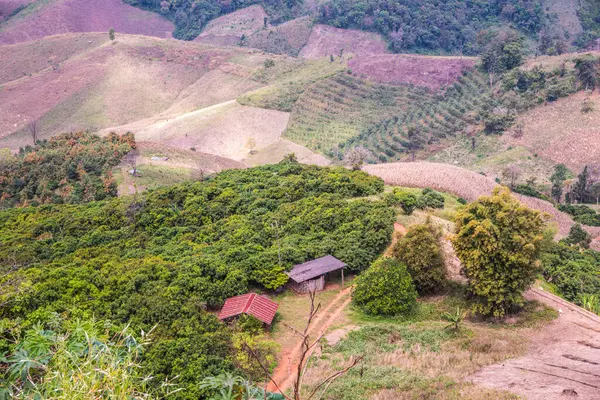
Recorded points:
(337, 109)
(437, 116)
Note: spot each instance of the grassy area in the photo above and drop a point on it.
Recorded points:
(415, 357)
(287, 81)
(151, 177)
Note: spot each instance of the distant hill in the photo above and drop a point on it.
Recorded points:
(45, 18)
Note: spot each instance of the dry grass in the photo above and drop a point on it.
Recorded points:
(228, 29)
(288, 38)
(561, 133)
(46, 18)
(418, 359)
(96, 85)
(463, 183)
(326, 40)
(430, 72)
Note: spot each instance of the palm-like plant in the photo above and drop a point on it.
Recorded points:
(456, 318)
(591, 303)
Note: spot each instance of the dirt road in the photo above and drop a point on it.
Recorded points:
(284, 374)
(562, 363)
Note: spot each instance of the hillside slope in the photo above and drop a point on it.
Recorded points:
(81, 81)
(45, 18)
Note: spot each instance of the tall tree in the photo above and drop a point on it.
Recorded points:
(587, 71)
(498, 241)
(581, 191)
(416, 140)
(558, 181)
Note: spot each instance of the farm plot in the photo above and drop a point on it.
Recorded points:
(428, 71)
(464, 183)
(435, 116)
(336, 109)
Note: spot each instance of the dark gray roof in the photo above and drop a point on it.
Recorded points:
(315, 268)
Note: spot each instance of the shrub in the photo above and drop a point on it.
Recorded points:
(498, 241)
(400, 198)
(579, 236)
(385, 289)
(588, 106)
(462, 201)
(420, 250)
(430, 199)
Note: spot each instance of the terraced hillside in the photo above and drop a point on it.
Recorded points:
(343, 112)
(434, 116)
(336, 109)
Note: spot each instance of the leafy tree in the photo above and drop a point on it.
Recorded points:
(558, 180)
(498, 241)
(386, 288)
(573, 272)
(579, 236)
(581, 191)
(398, 197)
(417, 139)
(111, 34)
(420, 250)
(588, 71)
(68, 168)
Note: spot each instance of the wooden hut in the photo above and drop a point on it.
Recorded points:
(310, 276)
(253, 304)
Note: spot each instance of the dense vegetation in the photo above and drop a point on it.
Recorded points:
(163, 257)
(69, 168)
(499, 242)
(589, 14)
(574, 273)
(420, 250)
(434, 26)
(190, 16)
(386, 288)
(76, 360)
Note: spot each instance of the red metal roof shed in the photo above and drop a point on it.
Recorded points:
(253, 304)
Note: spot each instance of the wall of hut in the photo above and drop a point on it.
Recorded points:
(311, 285)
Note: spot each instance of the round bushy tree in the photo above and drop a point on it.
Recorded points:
(385, 288)
(420, 250)
(498, 241)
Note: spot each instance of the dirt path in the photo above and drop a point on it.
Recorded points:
(399, 230)
(563, 361)
(284, 373)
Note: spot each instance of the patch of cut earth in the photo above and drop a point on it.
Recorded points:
(276, 151)
(395, 69)
(227, 129)
(560, 132)
(337, 335)
(326, 40)
(227, 30)
(563, 360)
(287, 38)
(62, 16)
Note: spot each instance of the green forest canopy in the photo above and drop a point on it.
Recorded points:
(433, 25)
(162, 257)
(190, 16)
(68, 168)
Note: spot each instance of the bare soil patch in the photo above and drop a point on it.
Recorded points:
(287, 38)
(560, 132)
(325, 40)
(84, 16)
(81, 81)
(228, 29)
(563, 359)
(227, 129)
(430, 72)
